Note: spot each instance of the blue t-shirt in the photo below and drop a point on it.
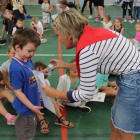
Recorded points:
(22, 78)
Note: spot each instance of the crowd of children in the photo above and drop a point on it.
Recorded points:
(25, 96)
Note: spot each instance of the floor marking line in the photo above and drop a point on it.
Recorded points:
(63, 112)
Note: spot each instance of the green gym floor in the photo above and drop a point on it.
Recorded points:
(92, 126)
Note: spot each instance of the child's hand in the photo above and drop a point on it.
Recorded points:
(1, 36)
(36, 110)
(59, 105)
(40, 36)
(21, 11)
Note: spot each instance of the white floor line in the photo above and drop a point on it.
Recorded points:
(47, 55)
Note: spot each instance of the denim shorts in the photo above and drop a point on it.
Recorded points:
(126, 107)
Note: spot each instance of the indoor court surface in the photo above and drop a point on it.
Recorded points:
(92, 126)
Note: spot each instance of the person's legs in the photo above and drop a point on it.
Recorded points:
(129, 15)
(3, 111)
(85, 2)
(113, 135)
(101, 11)
(24, 10)
(138, 11)
(3, 2)
(134, 14)
(90, 6)
(124, 11)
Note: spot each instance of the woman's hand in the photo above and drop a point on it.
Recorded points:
(58, 64)
(59, 105)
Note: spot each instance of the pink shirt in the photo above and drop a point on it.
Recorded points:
(137, 36)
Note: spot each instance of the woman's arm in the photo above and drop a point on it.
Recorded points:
(63, 65)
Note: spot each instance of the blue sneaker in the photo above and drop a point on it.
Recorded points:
(28, 16)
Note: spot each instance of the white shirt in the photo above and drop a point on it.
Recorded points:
(38, 25)
(46, 8)
(107, 26)
(59, 10)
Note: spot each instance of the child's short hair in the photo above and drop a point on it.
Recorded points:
(20, 19)
(64, 2)
(68, 71)
(40, 65)
(10, 47)
(1, 76)
(35, 18)
(108, 17)
(119, 19)
(24, 36)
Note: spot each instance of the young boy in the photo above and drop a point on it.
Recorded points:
(45, 12)
(38, 25)
(18, 9)
(27, 100)
(19, 25)
(5, 70)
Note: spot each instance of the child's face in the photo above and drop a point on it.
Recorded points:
(45, 1)
(117, 22)
(8, 15)
(73, 73)
(11, 53)
(19, 24)
(105, 20)
(27, 52)
(62, 5)
(138, 28)
(36, 21)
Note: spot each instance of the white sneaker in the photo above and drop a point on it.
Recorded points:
(138, 20)
(43, 40)
(133, 20)
(90, 17)
(83, 109)
(130, 21)
(125, 20)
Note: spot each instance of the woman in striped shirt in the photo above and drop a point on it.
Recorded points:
(103, 51)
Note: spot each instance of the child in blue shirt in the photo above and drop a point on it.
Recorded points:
(27, 100)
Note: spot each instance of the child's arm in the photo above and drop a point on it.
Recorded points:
(4, 73)
(105, 88)
(113, 84)
(45, 10)
(32, 25)
(40, 29)
(112, 28)
(3, 31)
(122, 30)
(103, 26)
(21, 96)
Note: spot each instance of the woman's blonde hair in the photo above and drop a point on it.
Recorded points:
(70, 21)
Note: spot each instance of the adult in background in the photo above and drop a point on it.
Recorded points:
(99, 4)
(103, 51)
(90, 7)
(3, 6)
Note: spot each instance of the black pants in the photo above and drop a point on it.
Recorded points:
(124, 11)
(90, 5)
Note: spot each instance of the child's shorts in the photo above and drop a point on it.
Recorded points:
(26, 126)
(137, 41)
(18, 15)
(126, 108)
(46, 19)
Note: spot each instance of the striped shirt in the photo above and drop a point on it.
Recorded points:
(117, 55)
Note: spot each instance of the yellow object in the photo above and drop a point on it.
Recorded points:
(29, 2)
(84, 9)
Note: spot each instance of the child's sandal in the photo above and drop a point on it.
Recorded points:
(59, 121)
(42, 128)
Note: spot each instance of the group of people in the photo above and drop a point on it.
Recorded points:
(99, 52)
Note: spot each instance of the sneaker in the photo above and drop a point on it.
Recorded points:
(125, 20)
(44, 29)
(130, 21)
(11, 121)
(96, 20)
(133, 20)
(28, 16)
(43, 40)
(138, 20)
(90, 17)
(102, 20)
(83, 109)
(48, 29)
(2, 16)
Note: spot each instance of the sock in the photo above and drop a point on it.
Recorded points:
(102, 19)
(8, 116)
